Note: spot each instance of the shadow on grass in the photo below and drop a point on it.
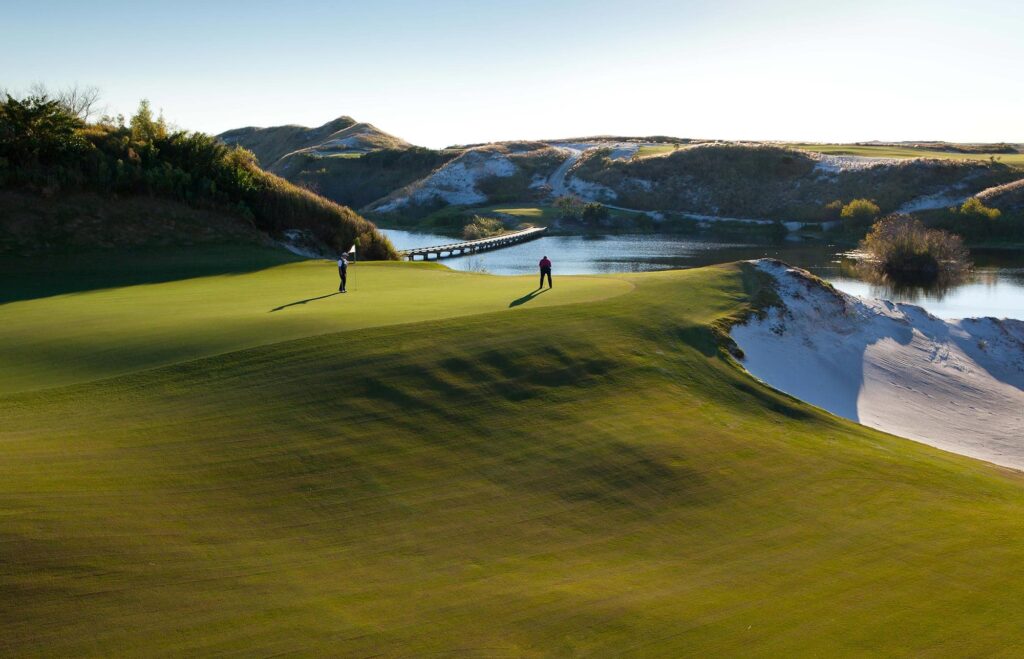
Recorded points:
(26, 278)
(309, 299)
(526, 298)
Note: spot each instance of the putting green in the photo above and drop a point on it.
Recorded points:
(594, 478)
(84, 336)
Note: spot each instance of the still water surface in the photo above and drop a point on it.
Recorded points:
(995, 289)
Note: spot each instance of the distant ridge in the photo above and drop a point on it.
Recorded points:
(344, 137)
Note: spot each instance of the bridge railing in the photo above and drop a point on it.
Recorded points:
(480, 244)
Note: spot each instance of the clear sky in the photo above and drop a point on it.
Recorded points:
(460, 71)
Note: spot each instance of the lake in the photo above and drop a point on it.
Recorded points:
(996, 288)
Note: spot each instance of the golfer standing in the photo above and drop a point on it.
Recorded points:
(342, 272)
(545, 269)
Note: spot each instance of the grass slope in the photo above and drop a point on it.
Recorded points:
(891, 151)
(590, 478)
(93, 334)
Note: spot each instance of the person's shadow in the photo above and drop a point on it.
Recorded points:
(526, 298)
(311, 299)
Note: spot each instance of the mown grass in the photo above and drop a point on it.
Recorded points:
(648, 150)
(589, 478)
(908, 152)
(98, 333)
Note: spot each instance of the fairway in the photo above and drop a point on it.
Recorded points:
(648, 150)
(426, 470)
(883, 151)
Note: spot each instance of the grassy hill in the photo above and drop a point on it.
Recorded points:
(207, 191)
(349, 162)
(343, 136)
(446, 465)
(769, 181)
(1004, 153)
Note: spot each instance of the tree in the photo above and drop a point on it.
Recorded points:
(146, 129)
(83, 102)
(860, 210)
(38, 130)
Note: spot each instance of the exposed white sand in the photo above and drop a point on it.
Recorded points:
(957, 385)
(834, 164)
(455, 182)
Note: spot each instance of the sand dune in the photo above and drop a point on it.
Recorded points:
(957, 385)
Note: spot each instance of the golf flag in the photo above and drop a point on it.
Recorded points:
(352, 250)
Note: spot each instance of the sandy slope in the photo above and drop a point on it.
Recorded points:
(957, 385)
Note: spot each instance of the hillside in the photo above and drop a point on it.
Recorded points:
(342, 137)
(586, 472)
(351, 163)
(48, 156)
(1008, 198)
(31, 224)
(705, 180)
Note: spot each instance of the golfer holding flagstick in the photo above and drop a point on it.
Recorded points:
(343, 263)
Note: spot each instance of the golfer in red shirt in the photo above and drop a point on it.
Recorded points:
(545, 269)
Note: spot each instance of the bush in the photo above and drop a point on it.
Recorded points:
(860, 210)
(594, 213)
(974, 209)
(833, 210)
(482, 227)
(901, 247)
(569, 207)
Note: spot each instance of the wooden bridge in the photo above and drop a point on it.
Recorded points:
(473, 246)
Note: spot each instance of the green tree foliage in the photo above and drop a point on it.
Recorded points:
(146, 129)
(860, 210)
(38, 131)
(44, 147)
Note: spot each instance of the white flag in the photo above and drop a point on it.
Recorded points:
(352, 250)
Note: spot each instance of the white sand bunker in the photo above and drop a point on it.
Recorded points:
(957, 385)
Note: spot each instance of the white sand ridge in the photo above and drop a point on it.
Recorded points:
(957, 385)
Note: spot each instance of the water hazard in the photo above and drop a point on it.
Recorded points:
(996, 288)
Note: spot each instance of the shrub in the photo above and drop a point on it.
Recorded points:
(860, 210)
(569, 207)
(974, 209)
(594, 213)
(901, 246)
(482, 227)
(833, 210)
(46, 148)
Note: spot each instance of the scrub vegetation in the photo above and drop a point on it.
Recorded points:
(48, 150)
(903, 248)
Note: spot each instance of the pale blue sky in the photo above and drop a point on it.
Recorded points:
(454, 71)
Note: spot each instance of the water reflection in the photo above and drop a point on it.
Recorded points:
(908, 288)
(994, 288)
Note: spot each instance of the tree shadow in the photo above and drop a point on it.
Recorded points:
(43, 276)
(310, 299)
(526, 298)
